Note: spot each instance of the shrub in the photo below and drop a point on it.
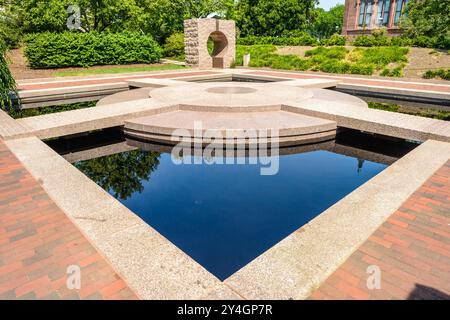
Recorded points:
(258, 54)
(174, 46)
(7, 83)
(371, 41)
(377, 39)
(71, 49)
(363, 41)
(334, 40)
(335, 59)
(360, 68)
(329, 53)
(382, 56)
(302, 39)
(335, 66)
(439, 73)
(395, 72)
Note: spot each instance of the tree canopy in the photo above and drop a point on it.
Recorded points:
(328, 23)
(273, 17)
(429, 18)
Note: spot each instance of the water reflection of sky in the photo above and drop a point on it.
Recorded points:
(224, 216)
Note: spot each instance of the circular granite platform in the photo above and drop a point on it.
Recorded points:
(234, 113)
(227, 95)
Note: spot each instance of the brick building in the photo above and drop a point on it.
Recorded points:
(362, 16)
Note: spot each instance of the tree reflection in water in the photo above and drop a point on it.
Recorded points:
(121, 174)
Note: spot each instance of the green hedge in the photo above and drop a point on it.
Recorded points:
(72, 49)
(334, 40)
(442, 42)
(7, 83)
(301, 40)
(377, 40)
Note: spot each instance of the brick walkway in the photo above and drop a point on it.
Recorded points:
(417, 85)
(412, 250)
(38, 242)
(403, 84)
(106, 80)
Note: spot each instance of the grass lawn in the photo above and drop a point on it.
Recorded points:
(116, 69)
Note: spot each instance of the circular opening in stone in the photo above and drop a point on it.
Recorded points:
(217, 44)
(231, 90)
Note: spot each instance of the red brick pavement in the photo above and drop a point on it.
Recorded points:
(115, 79)
(38, 242)
(345, 79)
(412, 250)
(362, 81)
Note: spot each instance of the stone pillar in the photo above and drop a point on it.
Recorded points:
(392, 13)
(358, 4)
(196, 35)
(374, 18)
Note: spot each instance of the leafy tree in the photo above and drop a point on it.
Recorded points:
(98, 15)
(273, 17)
(429, 18)
(121, 174)
(328, 23)
(10, 26)
(7, 83)
(162, 18)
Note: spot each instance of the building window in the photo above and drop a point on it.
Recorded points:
(401, 5)
(365, 13)
(383, 12)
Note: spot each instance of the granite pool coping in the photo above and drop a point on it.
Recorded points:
(156, 269)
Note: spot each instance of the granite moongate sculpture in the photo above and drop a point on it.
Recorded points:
(198, 31)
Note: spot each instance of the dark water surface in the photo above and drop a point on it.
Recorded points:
(224, 216)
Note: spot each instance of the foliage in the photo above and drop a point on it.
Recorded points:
(328, 23)
(174, 46)
(10, 28)
(381, 56)
(377, 39)
(428, 18)
(159, 18)
(273, 17)
(421, 112)
(96, 15)
(70, 49)
(439, 73)
(7, 82)
(121, 174)
(335, 59)
(395, 72)
(24, 113)
(117, 69)
(334, 40)
(329, 53)
(299, 39)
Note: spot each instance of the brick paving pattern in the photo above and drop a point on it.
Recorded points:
(38, 242)
(115, 79)
(362, 81)
(412, 250)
